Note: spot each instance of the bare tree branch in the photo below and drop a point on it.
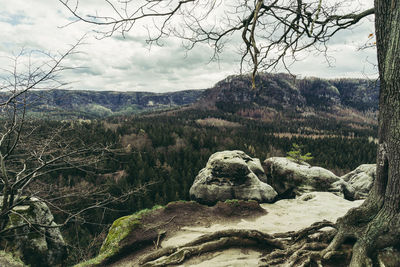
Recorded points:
(272, 31)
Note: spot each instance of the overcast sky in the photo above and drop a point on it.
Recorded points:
(128, 65)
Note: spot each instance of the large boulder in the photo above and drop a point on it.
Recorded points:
(231, 175)
(357, 183)
(36, 246)
(290, 178)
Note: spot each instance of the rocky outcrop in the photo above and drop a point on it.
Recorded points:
(231, 175)
(235, 175)
(141, 232)
(8, 260)
(36, 246)
(192, 220)
(283, 92)
(290, 178)
(357, 183)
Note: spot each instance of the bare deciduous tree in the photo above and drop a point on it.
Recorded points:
(25, 156)
(272, 32)
(30, 150)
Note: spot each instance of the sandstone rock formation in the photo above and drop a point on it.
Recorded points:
(231, 175)
(289, 178)
(140, 232)
(357, 183)
(8, 260)
(36, 246)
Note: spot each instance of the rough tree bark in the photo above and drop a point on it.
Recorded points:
(376, 223)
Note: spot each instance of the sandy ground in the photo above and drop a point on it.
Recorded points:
(284, 215)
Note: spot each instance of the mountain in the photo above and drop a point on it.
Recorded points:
(283, 92)
(62, 104)
(275, 93)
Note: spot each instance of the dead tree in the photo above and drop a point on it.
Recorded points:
(23, 156)
(273, 32)
(29, 153)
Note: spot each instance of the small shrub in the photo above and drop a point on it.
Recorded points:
(297, 155)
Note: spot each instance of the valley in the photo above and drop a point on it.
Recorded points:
(159, 142)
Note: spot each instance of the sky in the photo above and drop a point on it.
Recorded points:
(129, 64)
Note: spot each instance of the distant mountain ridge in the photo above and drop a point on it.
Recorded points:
(93, 104)
(274, 93)
(285, 92)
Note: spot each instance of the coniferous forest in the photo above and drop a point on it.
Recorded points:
(136, 161)
(158, 155)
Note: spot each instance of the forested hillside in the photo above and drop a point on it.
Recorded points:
(274, 93)
(158, 154)
(164, 152)
(78, 104)
(279, 92)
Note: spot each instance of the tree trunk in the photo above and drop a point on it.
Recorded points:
(376, 223)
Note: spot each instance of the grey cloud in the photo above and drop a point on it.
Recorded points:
(127, 64)
(130, 38)
(88, 71)
(122, 67)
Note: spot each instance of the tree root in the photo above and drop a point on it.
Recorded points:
(294, 247)
(372, 226)
(186, 252)
(313, 228)
(303, 248)
(311, 246)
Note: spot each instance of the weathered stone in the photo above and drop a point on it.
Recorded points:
(290, 178)
(357, 183)
(360, 180)
(8, 260)
(36, 246)
(231, 175)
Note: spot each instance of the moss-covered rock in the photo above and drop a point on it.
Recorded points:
(36, 246)
(290, 178)
(139, 233)
(115, 242)
(230, 175)
(9, 260)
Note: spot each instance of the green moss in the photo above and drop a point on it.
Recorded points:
(14, 219)
(93, 262)
(7, 259)
(119, 230)
(22, 213)
(232, 201)
(25, 211)
(179, 201)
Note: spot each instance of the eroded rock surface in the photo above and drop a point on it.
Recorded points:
(231, 175)
(8, 260)
(137, 234)
(357, 183)
(39, 246)
(290, 179)
(282, 216)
